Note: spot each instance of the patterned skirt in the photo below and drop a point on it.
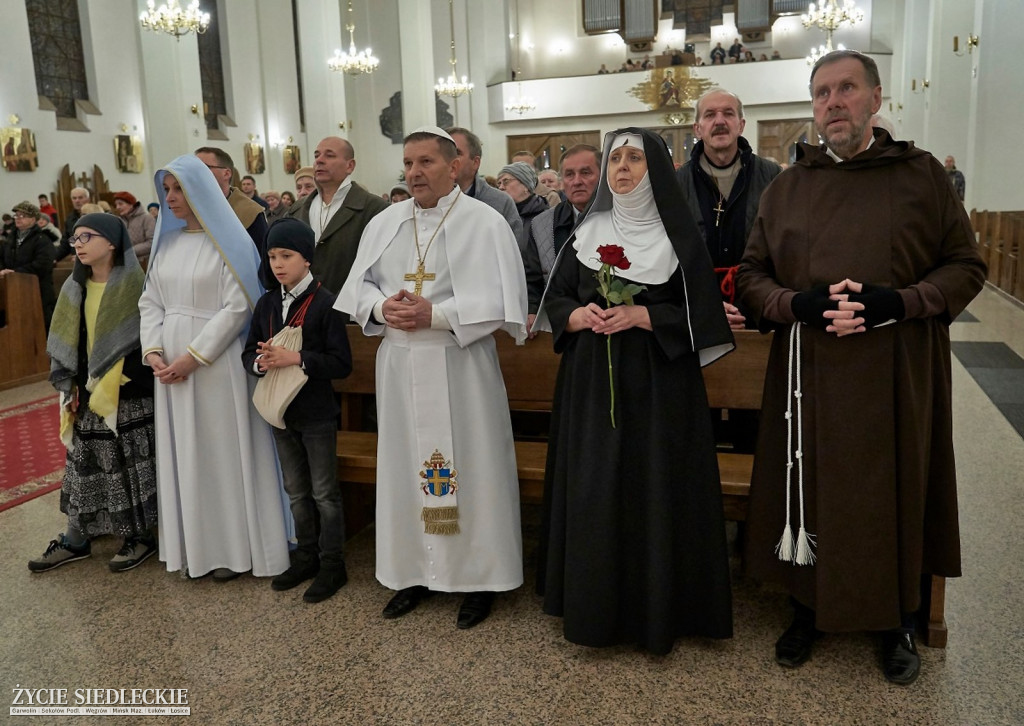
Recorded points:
(110, 481)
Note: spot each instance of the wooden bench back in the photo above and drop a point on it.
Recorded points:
(737, 379)
(733, 381)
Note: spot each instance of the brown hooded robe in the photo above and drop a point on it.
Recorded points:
(879, 476)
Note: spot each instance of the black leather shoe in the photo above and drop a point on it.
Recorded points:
(303, 567)
(327, 582)
(405, 601)
(474, 610)
(793, 648)
(900, 662)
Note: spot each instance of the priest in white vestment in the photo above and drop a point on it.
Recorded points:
(436, 275)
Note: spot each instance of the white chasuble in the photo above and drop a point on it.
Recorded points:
(447, 489)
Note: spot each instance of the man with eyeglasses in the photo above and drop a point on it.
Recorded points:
(249, 213)
(30, 251)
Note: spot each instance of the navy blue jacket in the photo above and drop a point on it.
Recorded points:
(325, 351)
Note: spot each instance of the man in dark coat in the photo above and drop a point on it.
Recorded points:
(470, 150)
(581, 172)
(722, 184)
(338, 211)
(860, 258)
(30, 250)
(249, 213)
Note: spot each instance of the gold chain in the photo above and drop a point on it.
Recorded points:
(421, 258)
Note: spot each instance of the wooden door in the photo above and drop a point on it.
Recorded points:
(778, 139)
(547, 149)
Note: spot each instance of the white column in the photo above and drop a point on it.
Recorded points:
(171, 86)
(320, 33)
(994, 154)
(417, 42)
(948, 98)
(280, 97)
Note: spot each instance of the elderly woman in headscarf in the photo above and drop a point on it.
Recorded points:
(109, 484)
(633, 545)
(221, 500)
(141, 224)
(519, 180)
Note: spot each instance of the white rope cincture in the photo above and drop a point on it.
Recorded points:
(802, 551)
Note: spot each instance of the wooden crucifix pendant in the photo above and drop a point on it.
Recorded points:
(419, 276)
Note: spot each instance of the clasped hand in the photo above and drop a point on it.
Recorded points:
(276, 356)
(177, 371)
(848, 307)
(407, 311)
(606, 321)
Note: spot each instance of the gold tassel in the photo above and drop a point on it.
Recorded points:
(440, 520)
(439, 514)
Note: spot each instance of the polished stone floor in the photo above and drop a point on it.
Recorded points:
(248, 655)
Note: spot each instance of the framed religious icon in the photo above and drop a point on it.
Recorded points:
(19, 147)
(292, 159)
(128, 153)
(254, 161)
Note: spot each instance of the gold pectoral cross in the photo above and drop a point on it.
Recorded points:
(419, 276)
(718, 210)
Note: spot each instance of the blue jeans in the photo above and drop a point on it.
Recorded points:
(309, 466)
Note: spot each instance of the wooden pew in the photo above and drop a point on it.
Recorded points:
(22, 332)
(735, 381)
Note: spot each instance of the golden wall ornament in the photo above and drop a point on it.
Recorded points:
(670, 88)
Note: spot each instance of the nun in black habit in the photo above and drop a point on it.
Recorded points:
(633, 543)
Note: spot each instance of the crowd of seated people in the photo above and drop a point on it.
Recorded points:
(736, 53)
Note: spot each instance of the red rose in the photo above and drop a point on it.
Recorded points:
(614, 256)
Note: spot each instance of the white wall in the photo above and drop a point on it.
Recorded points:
(995, 155)
(148, 82)
(116, 92)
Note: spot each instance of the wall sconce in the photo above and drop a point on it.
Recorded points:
(341, 125)
(254, 137)
(924, 85)
(971, 43)
(14, 119)
(282, 142)
(195, 109)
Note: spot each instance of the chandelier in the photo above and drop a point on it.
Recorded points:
(830, 17)
(520, 104)
(822, 50)
(452, 86)
(352, 62)
(171, 19)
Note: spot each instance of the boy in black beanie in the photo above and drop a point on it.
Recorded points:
(306, 445)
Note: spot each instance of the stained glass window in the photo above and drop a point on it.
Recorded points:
(56, 36)
(211, 71)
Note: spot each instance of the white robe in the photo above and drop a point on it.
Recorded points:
(486, 554)
(217, 476)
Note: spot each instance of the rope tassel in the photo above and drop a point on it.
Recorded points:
(800, 552)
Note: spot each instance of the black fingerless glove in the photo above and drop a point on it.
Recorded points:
(881, 305)
(809, 307)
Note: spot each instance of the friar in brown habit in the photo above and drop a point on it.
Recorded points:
(860, 258)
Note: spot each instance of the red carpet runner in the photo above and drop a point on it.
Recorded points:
(31, 454)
